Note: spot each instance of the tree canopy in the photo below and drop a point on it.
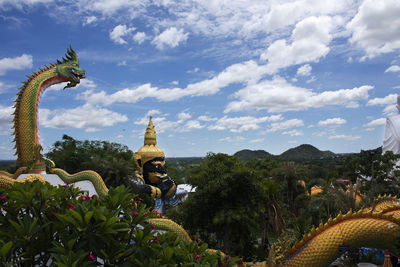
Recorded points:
(113, 161)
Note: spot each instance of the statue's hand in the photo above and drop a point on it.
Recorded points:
(165, 185)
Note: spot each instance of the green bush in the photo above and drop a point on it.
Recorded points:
(42, 225)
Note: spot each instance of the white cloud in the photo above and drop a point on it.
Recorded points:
(58, 87)
(86, 117)
(322, 133)
(394, 68)
(258, 140)
(206, 118)
(352, 104)
(390, 110)
(4, 87)
(375, 123)
(152, 112)
(109, 8)
(280, 126)
(376, 27)
(171, 37)
(123, 96)
(120, 31)
(122, 63)
(310, 40)
(6, 116)
(246, 72)
(182, 116)
(389, 99)
(191, 125)
(193, 70)
(293, 133)
(246, 19)
(232, 22)
(230, 139)
(332, 122)
(17, 63)
(139, 37)
(304, 70)
(242, 124)
(161, 123)
(345, 137)
(21, 3)
(89, 20)
(312, 79)
(277, 95)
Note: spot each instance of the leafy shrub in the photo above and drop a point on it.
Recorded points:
(42, 225)
(113, 161)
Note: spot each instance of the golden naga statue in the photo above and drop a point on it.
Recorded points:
(32, 164)
(150, 161)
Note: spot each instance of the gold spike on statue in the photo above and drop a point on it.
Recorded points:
(150, 135)
(149, 150)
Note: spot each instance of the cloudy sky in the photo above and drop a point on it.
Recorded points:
(216, 75)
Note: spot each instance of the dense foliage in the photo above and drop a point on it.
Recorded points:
(244, 206)
(44, 225)
(114, 162)
(241, 205)
(230, 206)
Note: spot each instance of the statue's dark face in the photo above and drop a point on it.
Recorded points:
(154, 169)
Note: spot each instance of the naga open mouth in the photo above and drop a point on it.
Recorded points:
(77, 75)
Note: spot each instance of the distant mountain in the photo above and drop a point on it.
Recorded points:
(247, 154)
(306, 152)
(8, 163)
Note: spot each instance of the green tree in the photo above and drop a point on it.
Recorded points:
(288, 174)
(229, 206)
(176, 173)
(378, 173)
(114, 162)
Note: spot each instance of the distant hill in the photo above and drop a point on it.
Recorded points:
(306, 152)
(247, 154)
(181, 161)
(8, 163)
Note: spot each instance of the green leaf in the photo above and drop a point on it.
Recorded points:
(168, 252)
(33, 224)
(18, 228)
(77, 216)
(88, 216)
(5, 249)
(70, 243)
(66, 219)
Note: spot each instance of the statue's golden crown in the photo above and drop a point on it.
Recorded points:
(149, 150)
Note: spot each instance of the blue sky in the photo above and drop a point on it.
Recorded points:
(216, 75)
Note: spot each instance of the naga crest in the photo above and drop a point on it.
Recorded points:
(69, 69)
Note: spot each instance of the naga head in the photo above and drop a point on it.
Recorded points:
(69, 69)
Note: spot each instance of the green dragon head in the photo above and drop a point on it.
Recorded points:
(69, 69)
